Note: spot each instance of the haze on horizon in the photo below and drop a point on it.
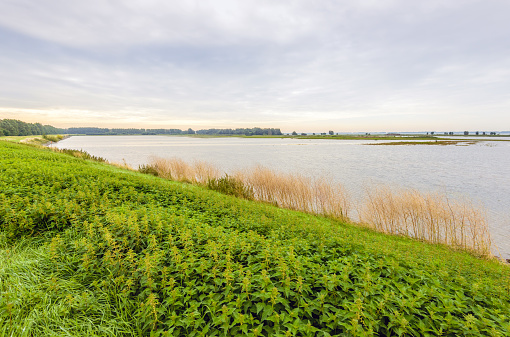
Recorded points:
(296, 65)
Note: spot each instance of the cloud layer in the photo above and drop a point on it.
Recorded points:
(372, 65)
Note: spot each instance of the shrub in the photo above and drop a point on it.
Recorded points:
(148, 169)
(231, 186)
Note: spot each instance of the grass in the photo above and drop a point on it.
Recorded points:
(33, 139)
(92, 249)
(22, 139)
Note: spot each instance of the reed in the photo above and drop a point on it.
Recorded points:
(430, 217)
(297, 192)
(123, 165)
(198, 172)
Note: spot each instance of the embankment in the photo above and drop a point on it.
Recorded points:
(90, 249)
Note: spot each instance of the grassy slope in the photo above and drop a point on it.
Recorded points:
(89, 249)
(18, 139)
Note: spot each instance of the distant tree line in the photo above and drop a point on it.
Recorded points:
(13, 127)
(242, 131)
(106, 131)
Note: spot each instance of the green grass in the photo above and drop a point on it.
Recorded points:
(88, 249)
(33, 139)
(17, 139)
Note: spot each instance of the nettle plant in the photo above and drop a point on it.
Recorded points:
(185, 277)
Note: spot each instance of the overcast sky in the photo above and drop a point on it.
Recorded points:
(365, 65)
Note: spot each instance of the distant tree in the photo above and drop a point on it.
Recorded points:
(190, 131)
(14, 127)
(466, 133)
(241, 131)
(294, 133)
(331, 132)
(303, 134)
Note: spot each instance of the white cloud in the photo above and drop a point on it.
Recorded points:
(141, 22)
(253, 62)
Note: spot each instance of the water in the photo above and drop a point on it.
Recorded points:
(480, 171)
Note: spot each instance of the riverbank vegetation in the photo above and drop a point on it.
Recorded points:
(90, 249)
(430, 217)
(37, 140)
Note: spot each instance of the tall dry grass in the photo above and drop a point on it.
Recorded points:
(297, 192)
(430, 217)
(198, 172)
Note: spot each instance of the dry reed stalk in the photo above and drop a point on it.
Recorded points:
(297, 192)
(199, 172)
(122, 165)
(203, 172)
(429, 217)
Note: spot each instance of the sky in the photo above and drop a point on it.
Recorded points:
(309, 66)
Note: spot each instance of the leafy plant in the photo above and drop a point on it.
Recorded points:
(148, 169)
(231, 186)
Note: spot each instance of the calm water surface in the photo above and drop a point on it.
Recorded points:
(480, 171)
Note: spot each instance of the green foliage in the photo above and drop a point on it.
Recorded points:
(53, 138)
(148, 169)
(80, 154)
(231, 186)
(13, 127)
(89, 249)
(242, 131)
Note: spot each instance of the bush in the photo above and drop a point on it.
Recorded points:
(231, 186)
(53, 138)
(148, 169)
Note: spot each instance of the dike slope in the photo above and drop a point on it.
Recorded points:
(90, 249)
